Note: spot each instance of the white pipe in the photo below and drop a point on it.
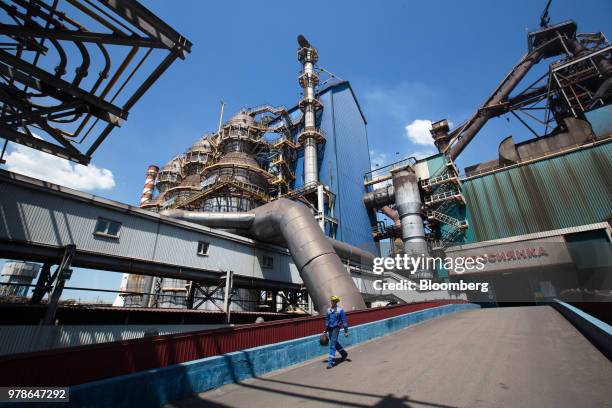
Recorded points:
(321, 207)
(310, 161)
(289, 223)
(408, 203)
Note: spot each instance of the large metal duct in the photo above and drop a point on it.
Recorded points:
(352, 253)
(408, 203)
(393, 214)
(289, 223)
(380, 197)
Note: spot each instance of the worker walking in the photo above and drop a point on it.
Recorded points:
(335, 319)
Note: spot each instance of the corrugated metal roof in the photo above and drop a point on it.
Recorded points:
(558, 192)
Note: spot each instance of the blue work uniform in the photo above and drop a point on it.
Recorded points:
(334, 320)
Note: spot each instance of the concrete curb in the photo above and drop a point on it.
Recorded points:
(597, 332)
(154, 388)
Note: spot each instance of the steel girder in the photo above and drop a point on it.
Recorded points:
(69, 114)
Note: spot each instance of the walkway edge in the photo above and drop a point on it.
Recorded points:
(597, 332)
(153, 388)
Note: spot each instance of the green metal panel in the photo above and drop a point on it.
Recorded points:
(560, 192)
(434, 163)
(601, 120)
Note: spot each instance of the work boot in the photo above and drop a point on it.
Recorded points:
(344, 354)
(329, 366)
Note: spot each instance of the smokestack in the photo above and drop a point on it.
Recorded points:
(149, 184)
(309, 104)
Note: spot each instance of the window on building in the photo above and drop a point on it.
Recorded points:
(203, 248)
(267, 262)
(107, 228)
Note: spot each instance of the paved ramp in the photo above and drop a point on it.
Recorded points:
(511, 357)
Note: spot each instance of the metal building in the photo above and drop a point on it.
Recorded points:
(345, 157)
(14, 275)
(314, 153)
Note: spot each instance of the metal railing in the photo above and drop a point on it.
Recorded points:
(447, 219)
(219, 183)
(440, 197)
(96, 362)
(384, 171)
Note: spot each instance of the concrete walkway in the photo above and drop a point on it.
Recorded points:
(511, 357)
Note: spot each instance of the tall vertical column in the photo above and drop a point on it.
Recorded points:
(408, 202)
(321, 207)
(309, 104)
(149, 185)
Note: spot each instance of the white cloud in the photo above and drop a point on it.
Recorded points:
(421, 154)
(418, 132)
(34, 163)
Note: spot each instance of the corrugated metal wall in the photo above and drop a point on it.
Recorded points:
(560, 192)
(91, 363)
(345, 160)
(56, 220)
(328, 166)
(23, 339)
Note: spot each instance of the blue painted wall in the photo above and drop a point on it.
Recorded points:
(344, 158)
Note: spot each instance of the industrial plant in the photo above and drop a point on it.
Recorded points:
(271, 154)
(241, 241)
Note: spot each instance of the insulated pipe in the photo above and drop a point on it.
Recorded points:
(408, 203)
(352, 253)
(310, 161)
(380, 197)
(292, 224)
(393, 214)
(242, 221)
(233, 220)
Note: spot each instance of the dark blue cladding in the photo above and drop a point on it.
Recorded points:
(343, 161)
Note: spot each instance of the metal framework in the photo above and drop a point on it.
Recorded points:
(579, 79)
(49, 98)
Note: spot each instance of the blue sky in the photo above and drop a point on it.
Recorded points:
(407, 62)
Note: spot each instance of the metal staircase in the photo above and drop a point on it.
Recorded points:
(442, 194)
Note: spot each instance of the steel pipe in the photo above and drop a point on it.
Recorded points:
(380, 197)
(352, 253)
(310, 161)
(408, 203)
(289, 223)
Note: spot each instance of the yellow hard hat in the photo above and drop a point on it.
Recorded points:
(334, 298)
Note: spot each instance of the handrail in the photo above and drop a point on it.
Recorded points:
(99, 361)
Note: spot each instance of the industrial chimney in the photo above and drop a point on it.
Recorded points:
(149, 184)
